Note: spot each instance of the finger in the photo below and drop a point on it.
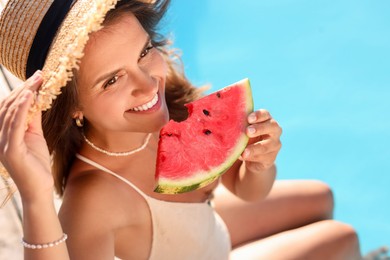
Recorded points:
(258, 116)
(31, 84)
(36, 123)
(257, 167)
(256, 150)
(7, 103)
(35, 81)
(7, 119)
(269, 127)
(17, 122)
(12, 95)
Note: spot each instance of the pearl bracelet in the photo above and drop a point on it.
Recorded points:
(43, 246)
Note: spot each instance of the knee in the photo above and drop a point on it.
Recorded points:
(338, 241)
(324, 198)
(348, 233)
(348, 239)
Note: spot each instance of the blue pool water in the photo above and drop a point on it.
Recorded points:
(322, 69)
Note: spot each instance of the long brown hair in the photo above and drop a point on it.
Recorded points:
(64, 138)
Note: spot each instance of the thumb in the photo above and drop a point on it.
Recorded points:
(35, 124)
(34, 120)
(34, 116)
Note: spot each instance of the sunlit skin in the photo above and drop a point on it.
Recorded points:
(107, 105)
(103, 217)
(136, 79)
(121, 71)
(113, 125)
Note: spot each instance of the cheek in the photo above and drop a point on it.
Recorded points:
(159, 64)
(94, 106)
(86, 104)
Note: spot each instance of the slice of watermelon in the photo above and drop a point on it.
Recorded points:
(195, 152)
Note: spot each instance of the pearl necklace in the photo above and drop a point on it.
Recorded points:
(120, 153)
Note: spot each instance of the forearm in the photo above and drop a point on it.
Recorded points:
(42, 226)
(254, 184)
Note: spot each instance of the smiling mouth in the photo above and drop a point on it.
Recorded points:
(146, 106)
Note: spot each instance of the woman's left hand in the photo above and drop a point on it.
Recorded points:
(264, 143)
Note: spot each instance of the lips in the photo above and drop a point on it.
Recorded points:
(147, 105)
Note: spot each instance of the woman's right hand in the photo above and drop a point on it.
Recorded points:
(23, 149)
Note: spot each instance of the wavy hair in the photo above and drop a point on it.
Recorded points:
(64, 138)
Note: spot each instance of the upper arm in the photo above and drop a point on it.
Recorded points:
(84, 217)
(103, 217)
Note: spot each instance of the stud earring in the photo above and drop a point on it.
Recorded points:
(80, 122)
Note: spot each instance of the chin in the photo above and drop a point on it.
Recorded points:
(160, 123)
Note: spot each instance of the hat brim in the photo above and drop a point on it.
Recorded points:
(67, 48)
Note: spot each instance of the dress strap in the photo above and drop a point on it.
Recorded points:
(100, 167)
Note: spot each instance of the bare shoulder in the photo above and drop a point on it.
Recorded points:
(95, 192)
(95, 206)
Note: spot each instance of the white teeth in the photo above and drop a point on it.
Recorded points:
(148, 105)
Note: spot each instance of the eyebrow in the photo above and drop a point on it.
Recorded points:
(105, 76)
(113, 73)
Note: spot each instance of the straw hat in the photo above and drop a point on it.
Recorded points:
(49, 35)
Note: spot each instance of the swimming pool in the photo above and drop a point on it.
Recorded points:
(322, 69)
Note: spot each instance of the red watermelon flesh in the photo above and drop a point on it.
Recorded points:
(195, 152)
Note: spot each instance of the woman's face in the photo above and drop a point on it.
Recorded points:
(121, 80)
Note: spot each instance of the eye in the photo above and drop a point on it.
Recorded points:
(146, 51)
(111, 81)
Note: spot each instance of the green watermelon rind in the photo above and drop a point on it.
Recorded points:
(168, 186)
(198, 181)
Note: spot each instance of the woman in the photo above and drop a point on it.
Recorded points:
(102, 135)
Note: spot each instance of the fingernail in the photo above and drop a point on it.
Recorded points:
(36, 76)
(251, 130)
(252, 118)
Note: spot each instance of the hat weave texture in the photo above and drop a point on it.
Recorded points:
(20, 21)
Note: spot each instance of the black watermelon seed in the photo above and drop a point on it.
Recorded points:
(207, 132)
(206, 112)
(218, 95)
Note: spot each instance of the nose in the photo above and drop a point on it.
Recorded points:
(143, 83)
